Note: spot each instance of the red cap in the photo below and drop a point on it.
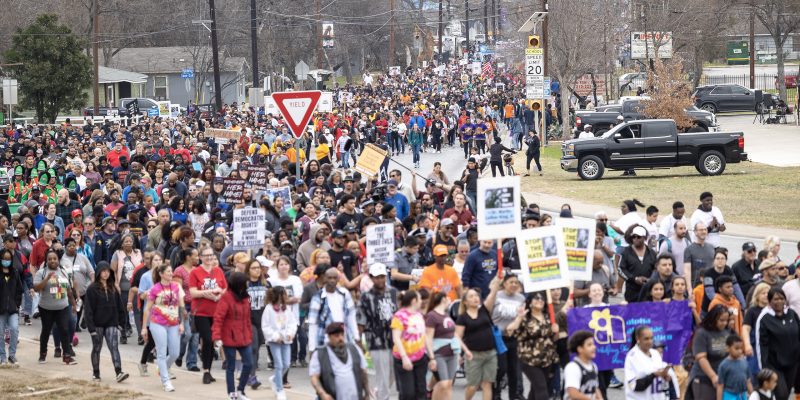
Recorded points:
(76, 213)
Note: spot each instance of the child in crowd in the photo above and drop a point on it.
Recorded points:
(733, 372)
(581, 380)
(767, 381)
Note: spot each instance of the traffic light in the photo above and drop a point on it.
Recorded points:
(536, 105)
(533, 42)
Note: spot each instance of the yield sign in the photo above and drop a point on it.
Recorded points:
(296, 108)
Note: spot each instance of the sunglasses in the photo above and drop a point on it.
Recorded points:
(603, 219)
(636, 237)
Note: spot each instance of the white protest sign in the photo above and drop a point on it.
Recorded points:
(579, 238)
(499, 214)
(542, 259)
(380, 244)
(249, 228)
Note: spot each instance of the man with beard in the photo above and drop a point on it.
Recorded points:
(376, 309)
(348, 215)
(339, 370)
(330, 305)
(340, 256)
(675, 245)
(747, 267)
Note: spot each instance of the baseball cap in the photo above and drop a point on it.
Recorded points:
(107, 220)
(440, 250)
(377, 269)
(640, 231)
(391, 182)
(287, 243)
(76, 213)
(747, 246)
(446, 222)
(123, 222)
(338, 233)
(134, 208)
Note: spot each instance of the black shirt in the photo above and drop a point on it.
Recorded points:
(346, 258)
(630, 268)
(478, 334)
(745, 273)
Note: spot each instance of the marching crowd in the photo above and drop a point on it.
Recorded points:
(116, 231)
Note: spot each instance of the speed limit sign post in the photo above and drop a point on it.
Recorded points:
(534, 73)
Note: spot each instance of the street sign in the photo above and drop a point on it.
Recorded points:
(296, 108)
(534, 73)
(10, 92)
(547, 92)
(187, 73)
(301, 70)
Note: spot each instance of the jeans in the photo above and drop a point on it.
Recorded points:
(345, 159)
(280, 360)
(27, 303)
(168, 343)
(189, 339)
(300, 344)
(230, 368)
(111, 336)
(59, 318)
(10, 322)
(415, 148)
(71, 331)
(258, 337)
(411, 384)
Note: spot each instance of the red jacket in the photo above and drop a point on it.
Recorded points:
(232, 322)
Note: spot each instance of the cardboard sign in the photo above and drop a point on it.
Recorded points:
(380, 244)
(229, 190)
(579, 238)
(249, 228)
(370, 160)
(222, 133)
(543, 259)
(256, 176)
(499, 213)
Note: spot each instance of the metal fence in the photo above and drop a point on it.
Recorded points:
(763, 81)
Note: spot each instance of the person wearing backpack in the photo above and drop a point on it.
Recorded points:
(581, 381)
(532, 154)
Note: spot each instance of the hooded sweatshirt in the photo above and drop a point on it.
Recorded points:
(479, 269)
(777, 339)
(733, 307)
(308, 247)
(103, 308)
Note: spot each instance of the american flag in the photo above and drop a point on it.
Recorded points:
(487, 70)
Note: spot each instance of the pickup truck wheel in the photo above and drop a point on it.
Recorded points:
(711, 163)
(710, 107)
(590, 168)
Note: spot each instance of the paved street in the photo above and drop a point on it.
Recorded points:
(773, 144)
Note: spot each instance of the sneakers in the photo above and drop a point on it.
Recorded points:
(95, 377)
(303, 363)
(168, 387)
(69, 360)
(194, 369)
(123, 339)
(143, 370)
(207, 379)
(241, 396)
(233, 396)
(27, 320)
(280, 395)
(12, 362)
(253, 382)
(57, 353)
(122, 376)
(614, 383)
(42, 358)
(140, 341)
(179, 362)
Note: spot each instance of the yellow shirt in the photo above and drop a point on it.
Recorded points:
(322, 151)
(263, 149)
(290, 154)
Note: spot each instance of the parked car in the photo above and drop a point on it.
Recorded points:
(725, 97)
(631, 81)
(790, 80)
(122, 111)
(631, 109)
(653, 143)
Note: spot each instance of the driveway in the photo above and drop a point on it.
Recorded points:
(775, 144)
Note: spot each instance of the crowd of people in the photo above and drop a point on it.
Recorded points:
(114, 230)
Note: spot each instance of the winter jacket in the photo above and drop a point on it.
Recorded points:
(278, 326)
(777, 339)
(10, 291)
(232, 321)
(103, 308)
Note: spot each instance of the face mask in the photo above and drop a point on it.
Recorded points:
(6, 263)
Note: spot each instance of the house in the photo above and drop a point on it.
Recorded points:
(183, 74)
(116, 84)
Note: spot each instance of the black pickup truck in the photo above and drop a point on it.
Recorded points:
(126, 110)
(630, 109)
(655, 143)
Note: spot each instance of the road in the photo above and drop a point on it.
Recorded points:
(773, 144)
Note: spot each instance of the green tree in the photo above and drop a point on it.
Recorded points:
(55, 74)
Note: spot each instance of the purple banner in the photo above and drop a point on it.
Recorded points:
(613, 329)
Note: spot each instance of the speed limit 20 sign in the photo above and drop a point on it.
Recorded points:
(534, 73)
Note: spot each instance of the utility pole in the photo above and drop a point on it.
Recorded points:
(499, 20)
(494, 23)
(544, 37)
(752, 50)
(96, 57)
(466, 17)
(254, 41)
(441, 29)
(320, 55)
(486, 21)
(391, 33)
(215, 56)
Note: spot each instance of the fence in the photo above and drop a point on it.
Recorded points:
(763, 81)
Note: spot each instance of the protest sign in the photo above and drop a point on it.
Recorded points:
(284, 192)
(174, 110)
(613, 328)
(380, 244)
(163, 108)
(499, 214)
(222, 133)
(249, 228)
(542, 259)
(579, 238)
(229, 190)
(370, 160)
(256, 176)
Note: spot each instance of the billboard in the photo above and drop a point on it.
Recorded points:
(643, 45)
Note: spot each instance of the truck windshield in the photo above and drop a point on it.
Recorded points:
(613, 130)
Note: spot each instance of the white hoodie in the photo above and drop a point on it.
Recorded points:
(280, 326)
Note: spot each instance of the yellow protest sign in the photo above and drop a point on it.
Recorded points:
(370, 160)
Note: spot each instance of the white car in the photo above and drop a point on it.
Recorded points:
(632, 80)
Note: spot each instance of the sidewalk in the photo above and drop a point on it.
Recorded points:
(553, 203)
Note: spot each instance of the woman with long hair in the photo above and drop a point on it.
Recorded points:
(279, 325)
(645, 371)
(178, 207)
(163, 314)
(411, 360)
(440, 337)
(207, 285)
(198, 218)
(708, 347)
(257, 286)
(475, 334)
(508, 300)
(188, 259)
(123, 262)
(232, 331)
(102, 311)
(537, 344)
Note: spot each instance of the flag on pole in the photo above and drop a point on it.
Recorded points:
(487, 70)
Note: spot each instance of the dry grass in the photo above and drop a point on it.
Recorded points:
(16, 382)
(747, 193)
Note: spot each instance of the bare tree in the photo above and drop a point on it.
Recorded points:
(781, 18)
(669, 92)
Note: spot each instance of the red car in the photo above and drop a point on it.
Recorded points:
(791, 81)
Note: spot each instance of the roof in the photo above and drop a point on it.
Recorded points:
(161, 60)
(111, 75)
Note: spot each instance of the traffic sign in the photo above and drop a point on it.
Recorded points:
(534, 73)
(296, 108)
(187, 73)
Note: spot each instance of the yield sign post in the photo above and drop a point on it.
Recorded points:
(297, 108)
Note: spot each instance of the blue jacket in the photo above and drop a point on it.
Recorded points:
(479, 269)
(400, 202)
(419, 121)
